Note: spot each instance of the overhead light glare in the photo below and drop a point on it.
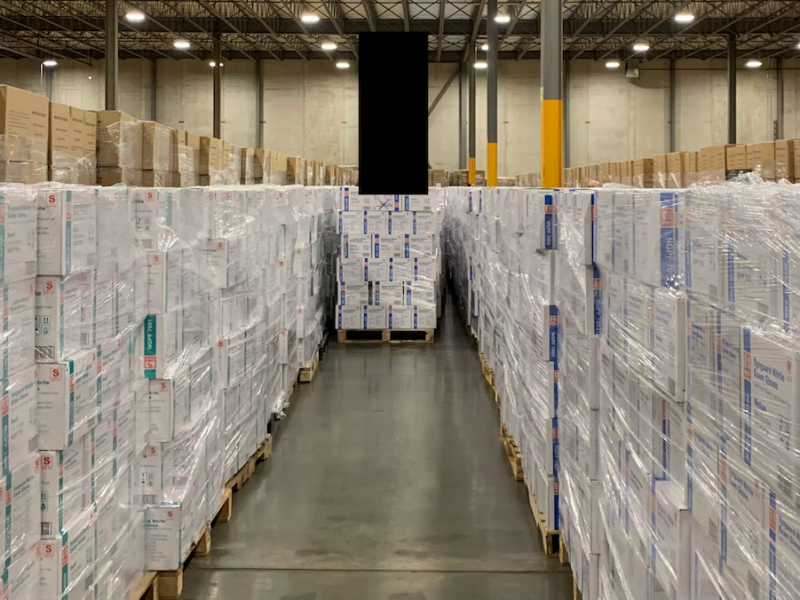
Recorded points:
(481, 64)
(753, 63)
(502, 18)
(485, 47)
(309, 18)
(612, 64)
(182, 44)
(212, 64)
(90, 77)
(329, 45)
(684, 17)
(342, 64)
(135, 16)
(641, 46)
(50, 62)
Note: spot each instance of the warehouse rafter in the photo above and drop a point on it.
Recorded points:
(593, 29)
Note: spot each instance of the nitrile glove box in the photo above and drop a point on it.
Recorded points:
(783, 550)
(67, 231)
(671, 540)
(390, 246)
(356, 246)
(668, 343)
(22, 492)
(170, 406)
(703, 479)
(225, 260)
(61, 305)
(745, 526)
(67, 400)
(399, 223)
(231, 358)
(544, 217)
(656, 241)
(423, 223)
(352, 294)
(375, 269)
(353, 223)
(770, 409)
(424, 317)
(20, 423)
(164, 280)
(153, 213)
(412, 203)
(400, 317)
(349, 317)
(604, 229)
(18, 328)
(161, 343)
(18, 238)
(728, 378)
(350, 270)
(348, 199)
(386, 292)
(421, 245)
(375, 317)
(376, 222)
(419, 293)
(22, 578)
(66, 486)
(169, 533)
(623, 232)
(387, 203)
(425, 268)
(703, 249)
(67, 562)
(701, 359)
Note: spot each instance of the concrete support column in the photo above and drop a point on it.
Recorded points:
(552, 106)
(673, 89)
(491, 96)
(112, 53)
(566, 157)
(732, 89)
(217, 87)
(781, 113)
(463, 110)
(259, 105)
(471, 68)
(153, 76)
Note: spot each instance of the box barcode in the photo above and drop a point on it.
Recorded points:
(149, 498)
(45, 353)
(47, 528)
(30, 267)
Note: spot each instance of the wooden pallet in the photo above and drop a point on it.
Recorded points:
(563, 553)
(225, 510)
(576, 593)
(307, 373)
(385, 336)
(550, 537)
(265, 450)
(512, 452)
(170, 583)
(488, 372)
(146, 588)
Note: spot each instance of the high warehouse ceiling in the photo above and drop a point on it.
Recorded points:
(593, 29)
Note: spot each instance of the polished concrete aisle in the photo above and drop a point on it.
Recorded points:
(388, 481)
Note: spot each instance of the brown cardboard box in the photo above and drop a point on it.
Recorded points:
(226, 154)
(90, 134)
(676, 170)
(116, 175)
(260, 163)
(784, 159)
(77, 123)
(295, 171)
(157, 179)
(157, 146)
(178, 140)
(24, 114)
(119, 140)
(248, 166)
(22, 172)
(60, 136)
(210, 155)
(192, 140)
(661, 171)
(761, 159)
(736, 158)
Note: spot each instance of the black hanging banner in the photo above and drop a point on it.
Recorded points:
(393, 113)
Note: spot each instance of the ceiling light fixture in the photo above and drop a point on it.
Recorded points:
(212, 64)
(612, 64)
(485, 47)
(502, 18)
(135, 16)
(481, 64)
(684, 17)
(50, 62)
(90, 77)
(641, 46)
(753, 63)
(308, 17)
(342, 64)
(329, 45)
(182, 44)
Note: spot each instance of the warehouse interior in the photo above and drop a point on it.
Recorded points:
(565, 369)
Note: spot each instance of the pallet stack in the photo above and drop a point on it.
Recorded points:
(389, 271)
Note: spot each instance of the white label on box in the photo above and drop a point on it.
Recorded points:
(400, 317)
(20, 422)
(351, 270)
(353, 223)
(356, 246)
(349, 317)
(18, 239)
(67, 231)
(375, 317)
(398, 223)
(376, 222)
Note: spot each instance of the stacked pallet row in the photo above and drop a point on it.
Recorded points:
(142, 364)
(389, 271)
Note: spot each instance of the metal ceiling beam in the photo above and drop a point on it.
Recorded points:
(757, 50)
(211, 10)
(269, 28)
(440, 37)
(476, 26)
(610, 34)
(406, 16)
(43, 51)
(157, 23)
(369, 11)
(76, 52)
(648, 31)
(333, 10)
(514, 20)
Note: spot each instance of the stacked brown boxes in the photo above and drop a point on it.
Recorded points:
(87, 169)
(278, 168)
(437, 177)
(119, 148)
(24, 126)
(761, 160)
(248, 166)
(185, 161)
(63, 164)
(157, 154)
(660, 171)
(676, 170)
(210, 161)
(330, 175)
(785, 152)
(712, 163)
(309, 178)
(295, 171)
(261, 165)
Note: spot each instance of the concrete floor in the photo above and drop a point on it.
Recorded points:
(387, 481)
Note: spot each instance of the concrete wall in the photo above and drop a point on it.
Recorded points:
(311, 108)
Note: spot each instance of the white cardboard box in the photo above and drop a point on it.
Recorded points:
(67, 561)
(161, 343)
(356, 246)
(375, 317)
(22, 491)
(164, 280)
(350, 317)
(61, 305)
(18, 239)
(656, 228)
(18, 338)
(20, 423)
(67, 231)
(66, 486)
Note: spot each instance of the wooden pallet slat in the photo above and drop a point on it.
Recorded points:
(385, 336)
(563, 553)
(170, 583)
(146, 588)
(550, 537)
(307, 373)
(512, 452)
